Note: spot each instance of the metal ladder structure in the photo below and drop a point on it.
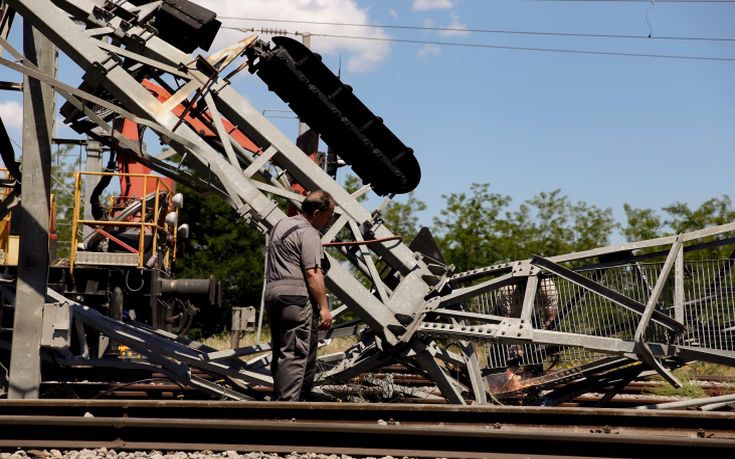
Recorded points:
(616, 315)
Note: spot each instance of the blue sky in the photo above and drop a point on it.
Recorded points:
(604, 129)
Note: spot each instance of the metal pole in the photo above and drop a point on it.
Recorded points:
(306, 40)
(94, 164)
(262, 294)
(6, 20)
(38, 108)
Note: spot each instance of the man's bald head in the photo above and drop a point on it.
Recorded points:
(318, 200)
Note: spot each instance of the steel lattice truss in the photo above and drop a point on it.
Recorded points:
(617, 311)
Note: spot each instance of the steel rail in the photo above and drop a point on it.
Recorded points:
(360, 429)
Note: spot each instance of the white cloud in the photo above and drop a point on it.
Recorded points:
(393, 13)
(459, 29)
(364, 55)
(427, 51)
(12, 114)
(425, 5)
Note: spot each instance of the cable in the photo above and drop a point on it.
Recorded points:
(140, 381)
(521, 48)
(488, 31)
(16, 143)
(638, 1)
(365, 242)
(512, 48)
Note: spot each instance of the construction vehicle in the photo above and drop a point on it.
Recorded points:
(121, 257)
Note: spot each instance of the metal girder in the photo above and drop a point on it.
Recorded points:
(245, 195)
(291, 158)
(38, 108)
(171, 355)
(644, 351)
(427, 303)
(256, 126)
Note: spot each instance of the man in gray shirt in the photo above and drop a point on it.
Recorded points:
(295, 296)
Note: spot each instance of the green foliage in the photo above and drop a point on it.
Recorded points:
(223, 244)
(642, 224)
(715, 211)
(352, 184)
(645, 224)
(558, 226)
(479, 229)
(475, 228)
(469, 227)
(62, 187)
(400, 215)
(688, 389)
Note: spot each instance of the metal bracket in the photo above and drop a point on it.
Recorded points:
(517, 329)
(525, 269)
(56, 332)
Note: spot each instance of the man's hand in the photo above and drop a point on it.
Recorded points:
(325, 318)
(315, 283)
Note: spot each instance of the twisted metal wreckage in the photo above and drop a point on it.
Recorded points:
(611, 313)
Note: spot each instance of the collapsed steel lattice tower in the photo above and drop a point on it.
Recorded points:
(617, 316)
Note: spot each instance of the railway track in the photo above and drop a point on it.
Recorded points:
(361, 429)
(636, 393)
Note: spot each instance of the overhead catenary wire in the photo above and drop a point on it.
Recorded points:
(482, 30)
(501, 47)
(637, 1)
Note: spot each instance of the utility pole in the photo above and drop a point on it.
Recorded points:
(38, 108)
(306, 40)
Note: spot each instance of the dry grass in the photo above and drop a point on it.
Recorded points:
(705, 369)
(688, 375)
(222, 341)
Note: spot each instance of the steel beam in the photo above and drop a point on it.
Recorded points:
(94, 164)
(38, 109)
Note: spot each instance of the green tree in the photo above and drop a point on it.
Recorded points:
(62, 188)
(402, 218)
(715, 211)
(553, 225)
(647, 224)
(352, 184)
(679, 218)
(223, 244)
(641, 224)
(479, 229)
(468, 227)
(400, 215)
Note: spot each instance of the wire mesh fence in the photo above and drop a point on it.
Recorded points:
(708, 310)
(709, 305)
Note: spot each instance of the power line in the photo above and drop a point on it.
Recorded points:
(488, 46)
(639, 1)
(489, 31)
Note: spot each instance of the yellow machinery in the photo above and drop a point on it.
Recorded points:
(123, 266)
(135, 229)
